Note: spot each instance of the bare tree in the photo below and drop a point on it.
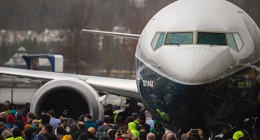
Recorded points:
(75, 51)
(109, 53)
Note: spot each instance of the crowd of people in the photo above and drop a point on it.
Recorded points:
(25, 126)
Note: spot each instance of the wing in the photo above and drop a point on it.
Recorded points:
(121, 87)
(72, 94)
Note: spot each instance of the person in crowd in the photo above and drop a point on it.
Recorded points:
(32, 129)
(98, 123)
(36, 127)
(17, 134)
(7, 106)
(71, 121)
(160, 130)
(80, 130)
(88, 122)
(256, 134)
(13, 106)
(44, 118)
(195, 133)
(83, 136)
(7, 135)
(122, 116)
(141, 124)
(2, 128)
(27, 132)
(38, 137)
(30, 117)
(60, 132)
(102, 130)
(111, 133)
(91, 133)
(10, 123)
(128, 120)
(109, 112)
(54, 122)
(152, 123)
(19, 121)
(132, 131)
(142, 134)
(47, 132)
(81, 118)
(150, 136)
(3, 117)
(118, 135)
(73, 128)
(65, 125)
(26, 109)
(169, 136)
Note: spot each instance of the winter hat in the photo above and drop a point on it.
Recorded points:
(99, 122)
(88, 116)
(10, 119)
(67, 137)
(13, 112)
(92, 130)
(237, 135)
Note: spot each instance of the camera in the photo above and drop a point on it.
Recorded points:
(195, 131)
(119, 133)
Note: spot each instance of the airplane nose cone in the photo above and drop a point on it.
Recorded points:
(196, 65)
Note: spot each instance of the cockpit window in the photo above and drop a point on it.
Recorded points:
(179, 38)
(157, 41)
(234, 41)
(197, 37)
(211, 38)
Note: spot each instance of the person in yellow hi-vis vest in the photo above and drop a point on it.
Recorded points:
(116, 112)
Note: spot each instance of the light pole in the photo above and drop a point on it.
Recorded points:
(12, 90)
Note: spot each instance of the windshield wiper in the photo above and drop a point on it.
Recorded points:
(175, 43)
(172, 43)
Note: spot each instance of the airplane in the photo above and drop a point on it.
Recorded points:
(196, 67)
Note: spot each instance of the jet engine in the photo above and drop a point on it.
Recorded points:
(68, 98)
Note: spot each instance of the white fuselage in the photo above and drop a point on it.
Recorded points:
(199, 63)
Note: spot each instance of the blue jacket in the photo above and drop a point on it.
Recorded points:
(88, 124)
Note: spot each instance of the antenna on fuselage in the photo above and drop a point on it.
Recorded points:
(125, 35)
